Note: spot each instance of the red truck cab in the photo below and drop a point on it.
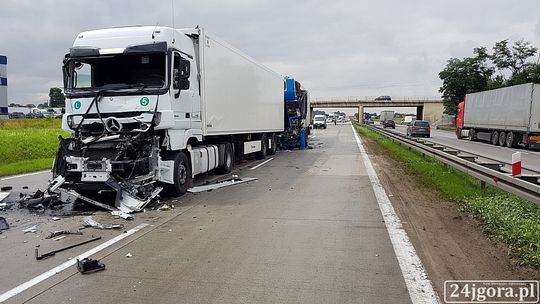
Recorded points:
(459, 118)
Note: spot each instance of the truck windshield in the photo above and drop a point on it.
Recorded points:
(124, 71)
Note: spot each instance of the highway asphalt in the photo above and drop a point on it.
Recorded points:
(529, 159)
(310, 230)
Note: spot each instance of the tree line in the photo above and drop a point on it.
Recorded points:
(505, 65)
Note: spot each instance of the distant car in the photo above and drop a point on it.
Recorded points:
(329, 120)
(35, 115)
(389, 124)
(384, 97)
(17, 115)
(419, 128)
(319, 121)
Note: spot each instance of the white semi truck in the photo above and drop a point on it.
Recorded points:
(151, 107)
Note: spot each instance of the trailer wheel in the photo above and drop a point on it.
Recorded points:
(273, 147)
(229, 160)
(510, 139)
(264, 147)
(502, 139)
(495, 138)
(182, 175)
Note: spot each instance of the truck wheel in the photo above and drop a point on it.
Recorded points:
(182, 175)
(511, 139)
(495, 138)
(264, 147)
(273, 147)
(458, 133)
(229, 160)
(502, 139)
(471, 135)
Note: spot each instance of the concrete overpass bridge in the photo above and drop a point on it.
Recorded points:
(426, 109)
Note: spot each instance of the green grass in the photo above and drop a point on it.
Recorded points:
(506, 217)
(28, 145)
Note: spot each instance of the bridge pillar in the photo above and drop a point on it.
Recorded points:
(420, 113)
(360, 114)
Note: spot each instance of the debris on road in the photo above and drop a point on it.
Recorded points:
(121, 214)
(62, 232)
(165, 207)
(49, 254)
(54, 218)
(87, 265)
(60, 238)
(129, 255)
(3, 224)
(32, 229)
(90, 222)
(225, 183)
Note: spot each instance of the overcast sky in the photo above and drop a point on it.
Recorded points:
(335, 48)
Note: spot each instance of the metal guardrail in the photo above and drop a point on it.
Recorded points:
(488, 171)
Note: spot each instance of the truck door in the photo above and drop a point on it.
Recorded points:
(182, 92)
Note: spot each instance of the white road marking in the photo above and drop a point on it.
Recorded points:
(42, 277)
(420, 288)
(264, 162)
(23, 175)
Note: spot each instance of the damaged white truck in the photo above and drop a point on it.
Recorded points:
(151, 107)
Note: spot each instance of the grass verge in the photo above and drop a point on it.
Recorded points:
(28, 145)
(506, 217)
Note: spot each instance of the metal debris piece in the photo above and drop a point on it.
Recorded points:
(226, 183)
(129, 255)
(3, 224)
(6, 188)
(60, 238)
(121, 214)
(32, 229)
(54, 218)
(87, 265)
(49, 254)
(62, 232)
(56, 183)
(128, 203)
(71, 196)
(90, 222)
(165, 207)
(3, 195)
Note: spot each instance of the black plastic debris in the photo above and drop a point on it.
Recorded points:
(87, 265)
(6, 188)
(3, 224)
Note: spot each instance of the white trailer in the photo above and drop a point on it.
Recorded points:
(507, 117)
(386, 115)
(151, 104)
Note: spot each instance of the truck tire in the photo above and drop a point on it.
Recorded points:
(273, 147)
(458, 133)
(470, 137)
(495, 138)
(264, 147)
(182, 175)
(502, 139)
(511, 139)
(228, 162)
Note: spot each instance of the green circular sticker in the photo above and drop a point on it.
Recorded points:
(144, 101)
(77, 105)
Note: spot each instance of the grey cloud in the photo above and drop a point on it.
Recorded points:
(336, 48)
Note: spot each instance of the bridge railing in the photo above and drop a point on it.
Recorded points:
(370, 98)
